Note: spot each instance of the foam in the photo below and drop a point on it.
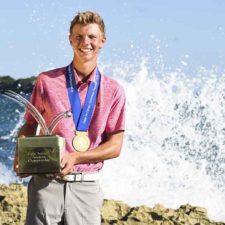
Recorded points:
(174, 150)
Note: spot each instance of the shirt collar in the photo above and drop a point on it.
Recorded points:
(90, 79)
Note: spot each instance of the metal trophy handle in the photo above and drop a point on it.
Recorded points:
(56, 120)
(35, 113)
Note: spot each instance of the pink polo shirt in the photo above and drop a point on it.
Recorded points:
(50, 97)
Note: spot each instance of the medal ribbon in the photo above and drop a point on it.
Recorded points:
(81, 116)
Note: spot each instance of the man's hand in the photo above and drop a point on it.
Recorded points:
(108, 150)
(25, 130)
(16, 168)
(67, 163)
(16, 164)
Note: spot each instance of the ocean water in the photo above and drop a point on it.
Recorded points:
(174, 147)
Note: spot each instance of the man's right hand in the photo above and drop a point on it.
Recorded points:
(16, 163)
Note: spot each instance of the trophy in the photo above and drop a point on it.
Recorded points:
(39, 154)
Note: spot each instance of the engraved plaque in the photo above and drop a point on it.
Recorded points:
(40, 154)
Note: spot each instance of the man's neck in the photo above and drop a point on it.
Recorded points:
(84, 70)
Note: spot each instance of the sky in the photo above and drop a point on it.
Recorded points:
(190, 34)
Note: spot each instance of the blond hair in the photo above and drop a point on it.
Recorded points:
(88, 17)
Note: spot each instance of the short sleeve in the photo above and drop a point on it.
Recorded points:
(116, 118)
(36, 100)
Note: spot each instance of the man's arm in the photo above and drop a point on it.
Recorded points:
(108, 150)
(25, 130)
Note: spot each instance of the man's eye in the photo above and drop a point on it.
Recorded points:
(78, 37)
(92, 37)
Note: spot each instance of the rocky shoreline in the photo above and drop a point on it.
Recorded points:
(23, 85)
(13, 210)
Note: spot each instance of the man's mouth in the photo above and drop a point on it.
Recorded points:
(85, 50)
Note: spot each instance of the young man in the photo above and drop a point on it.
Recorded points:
(93, 134)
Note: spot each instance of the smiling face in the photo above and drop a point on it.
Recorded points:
(86, 40)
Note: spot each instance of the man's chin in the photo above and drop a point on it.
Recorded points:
(88, 57)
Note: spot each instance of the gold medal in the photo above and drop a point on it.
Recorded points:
(81, 141)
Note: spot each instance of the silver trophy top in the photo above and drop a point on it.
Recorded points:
(47, 130)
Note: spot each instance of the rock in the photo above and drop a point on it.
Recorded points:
(13, 203)
(118, 213)
(114, 210)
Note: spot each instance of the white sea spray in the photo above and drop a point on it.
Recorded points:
(174, 149)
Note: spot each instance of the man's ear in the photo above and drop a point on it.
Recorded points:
(70, 40)
(103, 42)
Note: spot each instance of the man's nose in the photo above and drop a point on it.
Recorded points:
(86, 40)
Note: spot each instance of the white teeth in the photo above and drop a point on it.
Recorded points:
(85, 49)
